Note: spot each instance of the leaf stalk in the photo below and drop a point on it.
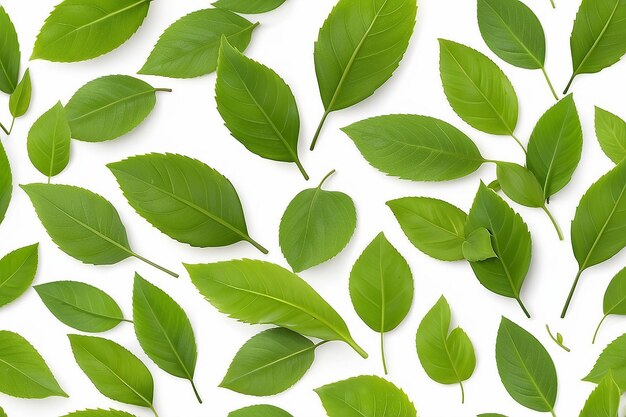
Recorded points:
(554, 222)
(571, 293)
(569, 84)
(555, 340)
(159, 267)
(319, 130)
(519, 142)
(325, 178)
(595, 334)
(545, 75)
(195, 391)
(7, 132)
(462, 392)
(521, 304)
(382, 352)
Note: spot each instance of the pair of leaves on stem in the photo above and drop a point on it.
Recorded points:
(611, 133)
(493, 238)
(17, 272)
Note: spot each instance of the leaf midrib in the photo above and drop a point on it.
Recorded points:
(81, 309)
(113, 103)
(18, 269)
(52, 390)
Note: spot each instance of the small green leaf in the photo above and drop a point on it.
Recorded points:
(611, 133)
(491, 415)
(614, 299)
(270, 363)
(80, 306)
(17, 272)
(260, 411)
(612, 360)
(6, 183)
(520, 184)
(249, 6)
(478, 247)
(19, 102)
(9, 54)
(48, 142)
(99, 413)
(604, 400)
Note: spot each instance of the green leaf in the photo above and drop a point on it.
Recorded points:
(417, 148)
(520, 184)
(491, 415)
(614, 299)
(604, 400)
(433, 226)
(80, 306)
(48, 142)
(6, 183)
(77, 30)
(611, 133)
(504, 274)
(358, 48)
(260, 292)
(525, 367)
(23, 372)
(381, 288)
(9, 54)
(164, 331)
(19, 102)
(612, 360)
(82, 224)
(365, 395)
(270, 363)
(598, 228)
(99, 413)
(555, 146)
(190, 46)
(115, 372)
(477, 89)
(316, 226)
(109, 107)
(249, 6)
(599, 36)
(447, 356)
(257, 106)
(183, 198)
(17, 272)
(477, 247)
(260, 411)
(2, 413)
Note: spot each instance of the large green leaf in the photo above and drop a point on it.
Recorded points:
(164, 331)
(82, 224)
(358, 48)
(381, 288)
(598, 37)
(115, 372)
(260, 411)
(504, 274)
(611, 133)
(109, 107)
(190, 46)
(80, 306)
(17, 272)
(19, 102)
(316, 226)
(477, 89)
(99, 413)
(525, 367)
(23, 372)
(435, 227)
(412, 147)
(612, 360)
(614, 299)
(184, 198)
(447, 356)
(48, 142)
(270, 363)
(365, 395)
(257, 106)
(6, 183)
(260, 292)
(9, 54)
(604, 400)
(77, 30)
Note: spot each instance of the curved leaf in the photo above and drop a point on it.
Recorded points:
(260, 292)
(9, 54)
(190, 46)
(478, 246)
(611, 133)
(417, 148)
(19, 102)
(612, 360)
(6, 183)
(77, 30)
(2, 413)
(49, 142)
(23, 372)
(17, 272)
(316, 226)
(525, 367)
(270, 363)
(604, 400)
(99, 413)
(614, 299)
(260, 411)
(80, 306)
(183, 198)
(520, 184)
(257, 106)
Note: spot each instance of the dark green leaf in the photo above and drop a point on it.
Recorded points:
(520, 184)
(478, 247)
(249, 6)
(9, 54)
(611, 133)
(48, 142)
(259, 411)
(17, 272)
(19, 102)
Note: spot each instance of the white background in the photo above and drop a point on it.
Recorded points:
(187, 122)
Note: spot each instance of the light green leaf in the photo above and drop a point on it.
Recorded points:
(612, 360)
(358, 48)
(417, 148)
(260, 411)
(365, 395)
(433, 226)
(99, 413)
(48, 142)
(183, 198)
(6, 183)
(114, 371)
(381, 288)
(81, 306)
(611, 133)
(77, 30)
(477, 89)
(19, 102)
(604, 400)
(525, 367)
(614, 299)
(257, 106)
(447, 357)
(260, 292)
(164, 331)
(9, 54)
(190, 46)
(316, 226)
(270, 363)
(477, 247)
(249, 6)
(109, 107)
(23, 372)
(520, 184)
(17, 272)
(491, 415)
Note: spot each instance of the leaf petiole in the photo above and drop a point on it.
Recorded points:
(319, 130)
(571, 293)
(558, 340)
(382, 352)
(569, 84)
(595, 334)
(462, 392)
(325, 178)
(149, 262)
(195, 391)
(554, 222)
(553, 4)
(519, 142)
(7, 132)
(545, 74)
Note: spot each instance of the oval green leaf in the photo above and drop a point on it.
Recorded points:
(604, 400)
(520, 184)
(611, 133)
(612, 361)
(6, 183)
(48, 142)
(9, 54)
(614, 299)
(478, 246)
(260, 411)
(17, 272)
(99, 413)
(19, 102)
